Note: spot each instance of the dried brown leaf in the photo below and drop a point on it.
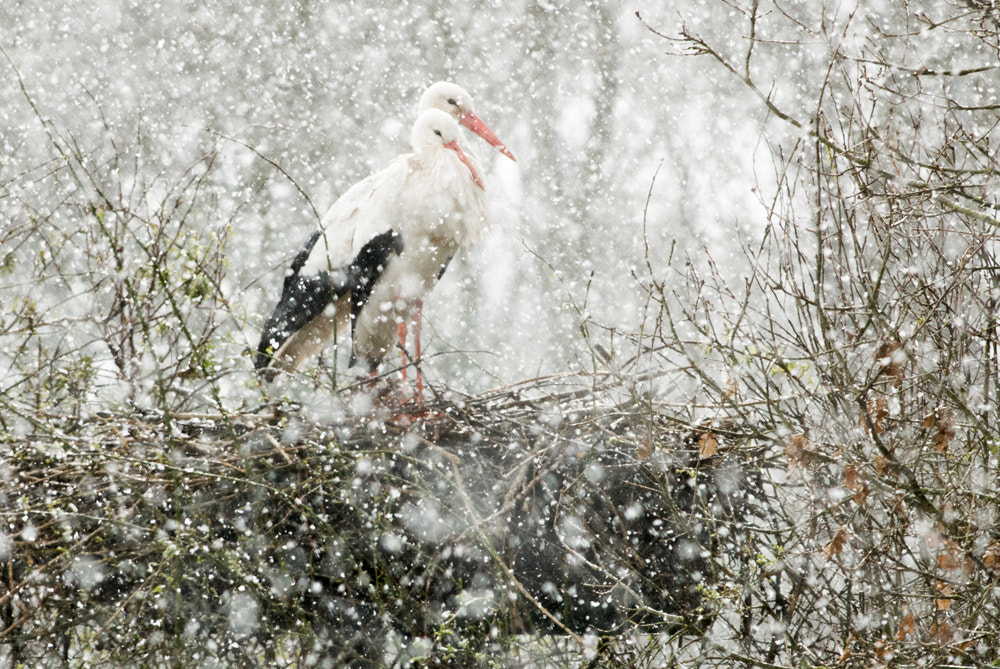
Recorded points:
(644, 451)
(991, 556)
(877, 410)
(851, 476)
(795, 451)
(907, 627)
(944, 435)
(949, 560)
(845, 655)
(708, 445)
(882, 465)
(853, 481)
(836, 545)
(943, 423)
(946, 592)
(890, 359)
(942, 632)
(861, 493)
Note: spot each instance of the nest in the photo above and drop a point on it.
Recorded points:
(266, 538)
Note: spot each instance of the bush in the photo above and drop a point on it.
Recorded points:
(790, 462)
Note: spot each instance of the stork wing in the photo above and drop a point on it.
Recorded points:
(368, 209)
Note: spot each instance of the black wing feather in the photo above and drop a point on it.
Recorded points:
(302, 299)
(367, 267)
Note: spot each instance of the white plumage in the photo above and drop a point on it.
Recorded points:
(384, 243)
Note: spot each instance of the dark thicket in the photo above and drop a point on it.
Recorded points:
(492, 519)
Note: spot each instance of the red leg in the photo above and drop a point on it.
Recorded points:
(402, 371)
(417, 320)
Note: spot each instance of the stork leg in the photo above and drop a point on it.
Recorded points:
(402, 352)
(417, 321)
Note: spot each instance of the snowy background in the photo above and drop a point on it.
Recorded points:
(816, 286)
(584, 95)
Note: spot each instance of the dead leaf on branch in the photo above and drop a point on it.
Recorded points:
(991, 556)
(890, 358)
(796, 452)
(907, 627)
(836, 545)
(941, 421)
(942, 632)
(854, 482)
(949, 560)
(846, 653)
(708, 445)
(861, 494)
(851, 476)
(953, 557)
(878, 411)
(883, 467)
(645, 450)
(900, 509)
(945, 591)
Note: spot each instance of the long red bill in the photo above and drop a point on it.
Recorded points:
(465, 159)
(476, 125)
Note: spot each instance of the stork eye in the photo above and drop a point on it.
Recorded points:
(438, 133)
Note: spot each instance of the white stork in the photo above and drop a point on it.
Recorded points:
(384, 244)
(454, 99)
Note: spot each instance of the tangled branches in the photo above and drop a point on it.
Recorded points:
(245, 541)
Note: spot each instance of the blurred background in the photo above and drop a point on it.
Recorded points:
(251, 119)
(585, 96)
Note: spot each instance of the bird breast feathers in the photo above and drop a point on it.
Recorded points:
(415, 194)
(440, 198)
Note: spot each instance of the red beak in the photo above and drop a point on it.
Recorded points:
(465, 159)
(476, 125)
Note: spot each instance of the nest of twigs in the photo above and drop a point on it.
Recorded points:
(242, 539)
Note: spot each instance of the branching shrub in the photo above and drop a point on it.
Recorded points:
(791, 462)
(862, 341)
(116, 287)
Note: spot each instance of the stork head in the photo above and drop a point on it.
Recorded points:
(435, 130)
(456, 101)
